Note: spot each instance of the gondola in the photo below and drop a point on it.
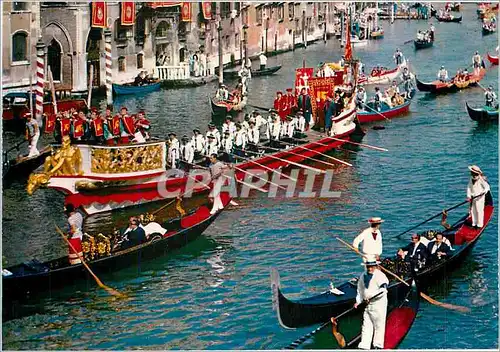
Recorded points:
(488, 30)
(369, 115)
(130, 89)
(485, 114)
(34, 276)
(438, 87)
(19, 169)
(449, 19)
(223, 108)
(255, 73)
(402, 310)
(422, 44)
(492, 59)
(319, 308)
(377, 34)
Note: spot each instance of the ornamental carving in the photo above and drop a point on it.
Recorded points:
(127, 159)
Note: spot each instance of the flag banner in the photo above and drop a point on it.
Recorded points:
(98, 127)
(99, 14)
(116, 125)
(319, 88)
(157, 4)
(65, 127)
(50, 123)
(186, 12)
(77, 128)
(348, 47)
(127, 16)
(206, 7)
(302, 76)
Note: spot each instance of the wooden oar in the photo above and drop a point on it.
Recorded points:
(423, 295)
(437, 215)
(375, 111)
(258, 177)
(302, 156)
(264, 167)
(319, 153)
(359, 144)
(292, 163)
(108, 289)
(258, 107)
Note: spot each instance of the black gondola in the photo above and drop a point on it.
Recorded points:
(319, 308)
(19, 169)
(488, 30)
(450, 19)
(255, 73)
(223, 108)
(422, 44)
(482, 115)
(35, 277)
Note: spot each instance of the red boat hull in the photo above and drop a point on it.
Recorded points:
(493, 59)
(366, 116)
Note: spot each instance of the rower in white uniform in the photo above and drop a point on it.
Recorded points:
(476, 194)
(371, 239)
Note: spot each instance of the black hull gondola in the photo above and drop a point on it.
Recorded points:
(318, 309)
(487, 31)
(14, 170)
(422, 44)
(435, 88)
(446, 19)
(36, 277)
(482, 115)
(255, 73)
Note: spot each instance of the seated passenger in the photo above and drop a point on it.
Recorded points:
(438, 249)
(134, 235)
(415, 252)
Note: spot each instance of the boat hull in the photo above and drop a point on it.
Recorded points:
(438, 87)
(223, 108)
(492, 59)
(422, 44)
(255, 73)
(453, 19)
(482, 115)
(19, 171)
(385, 78)
(367, 116)
(119, 89)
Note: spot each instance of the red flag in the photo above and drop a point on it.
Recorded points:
(98, 127)
(128, 13)
(77, 128)
(320, 87)
(99, 14)
(206, 6)
(348, 48)
(302, 76)
(116, 125)
(186, 12)
(65, 126)
(50, 123)
(128, 123)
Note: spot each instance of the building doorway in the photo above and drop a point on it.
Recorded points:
(54, 52)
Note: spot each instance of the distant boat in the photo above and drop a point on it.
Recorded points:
(377, 34)
(486, 114)
(422, 44)
(449, 19)
(130, 89)
(255, 73)
(355, 41)
(488, 29)
(370, 115)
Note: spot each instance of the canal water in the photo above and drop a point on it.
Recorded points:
(215, 292)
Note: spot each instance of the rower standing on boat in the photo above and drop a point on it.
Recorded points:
(371, 238)
(407, 78)
(476, 62)
(491, 97)
(378, 99)
(304, 103)
(370, 284)
(431, 32)
(263, 61)
(477, 189)
(75, 224)
(173, 150)
(32, 135)
(442, 74)
(217, 169)
(198, 143)
(398, 57)
(329, 113)
(361, 98)
(187, 153)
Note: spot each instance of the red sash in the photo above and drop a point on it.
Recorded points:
(65, 126)
(77, 128)
(128, 123)
(116, 125)
(98, 127)
(50, 123)
(142, 123)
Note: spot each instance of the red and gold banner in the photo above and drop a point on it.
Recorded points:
(65, 127)
(319, 88)
(77, 128)
(186, 12)
(206, 7)
(99, 14)
(348, 47)
(157, 4)
(302, 76)
(127, 15)
(98, 127)
(116, 125)
(50, 123)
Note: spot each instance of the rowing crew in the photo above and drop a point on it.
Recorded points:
(235, 139)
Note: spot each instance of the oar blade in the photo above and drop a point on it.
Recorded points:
(449, 306)
(338, 336)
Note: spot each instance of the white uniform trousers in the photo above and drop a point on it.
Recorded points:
(216, 195)
(477, 211)
(33, 151)
(373, 327)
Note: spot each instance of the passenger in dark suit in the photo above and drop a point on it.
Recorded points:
(416, 253)
(134, 233)
(438, 249)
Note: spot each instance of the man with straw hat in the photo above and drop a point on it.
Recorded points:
(371, 238)
(476, 193)
(372, 289)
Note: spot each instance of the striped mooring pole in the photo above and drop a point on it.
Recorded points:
(109, 63)
(40, 78)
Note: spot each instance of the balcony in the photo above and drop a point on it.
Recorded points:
(170, 73)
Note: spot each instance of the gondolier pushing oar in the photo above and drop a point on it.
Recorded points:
(370, 284)
(75, 223)
(477, 190)
(371, 238)
(217, 169)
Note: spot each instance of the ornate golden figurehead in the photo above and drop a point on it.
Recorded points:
(65, 161)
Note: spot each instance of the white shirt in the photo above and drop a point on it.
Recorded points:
(275, 130)
(214, 133)
(263, 59)
(212, 148)
(443, 74)
(240, 140)
(374, 287)
(370, 246)
(173, 151)
(480, 187)
(198, 143)
(253, 135)
(76, 221)
(187, 152)
(231, 127)
(227, 145)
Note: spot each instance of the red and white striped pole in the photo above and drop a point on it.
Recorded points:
(40, 78)
(109, 63)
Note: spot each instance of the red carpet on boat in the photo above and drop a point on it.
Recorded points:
(466, 233)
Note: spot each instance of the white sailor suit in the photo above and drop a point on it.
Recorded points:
(374, 316)
(480, 187)
(372, 242)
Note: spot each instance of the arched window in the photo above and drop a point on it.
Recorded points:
(20, 46)
(140, 60)
(121, 64)
(162, 29)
